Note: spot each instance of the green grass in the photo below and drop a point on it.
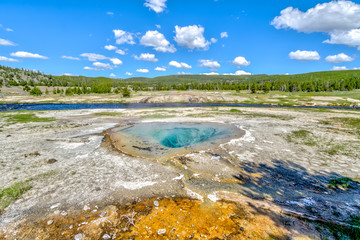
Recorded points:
(348, 122)
(301, 136)
(157, 116)
(269, 116)
(344, 182)
(10, 194)
(112, 114)
(26, 118)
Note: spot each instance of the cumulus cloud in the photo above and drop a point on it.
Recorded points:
(340, 19)
(66, 74)
(112, 75)
(6, 59)
(128, 74)
(356, 68)
(70, 58)
(157, 41)
(224, 35)
(337, 68)
(241, 61)
(342, 57)
(142, 70)
(209, 64)
(93, 56)
(4, 42)
(183, 73)
(238, 73)
(116, 61)
(123, 37)
(179, 65)
(110, 13)
(211, 73)
(191, 37)
(121, 52)
(304, 55)
(102, 65)
(147, 57)
(110, 47)
(326, 17)
(160, 69)
(213, 40)
(350, 38)
(156, 5)
(94, 69)
(22, 54)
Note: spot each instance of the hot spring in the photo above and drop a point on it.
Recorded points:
(161, 140)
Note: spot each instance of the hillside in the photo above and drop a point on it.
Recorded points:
(316, 81)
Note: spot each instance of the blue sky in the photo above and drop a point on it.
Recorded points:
(179, 36)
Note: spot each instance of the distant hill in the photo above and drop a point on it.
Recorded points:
(315, 81)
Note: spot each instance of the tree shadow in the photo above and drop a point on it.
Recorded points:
(293, 187)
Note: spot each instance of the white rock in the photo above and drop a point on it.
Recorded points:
(78, 236)
(86, 208)
(63, 213)
(50, 222)
(156, 203)
(106, 236)
(161, 231)
(57, 212)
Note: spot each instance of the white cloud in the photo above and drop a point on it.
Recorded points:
(22, 54)
(350, 38)
(157, 41)
(93, 56)
(112, 75)
(66, 74)
(157, 5)
(326, 17)
(70, 58)
(238, 73)
(213, 40)
(142, 70)
(191, 37)
(224, 35)
(5, 59)
(356, 68)
(183, 73)
(211, 73)
(94, 69)
(128, 74)
(158, 26)
(110, 13)
(9, 30)
(102, 65)
(147, 57)
(116, 61)
(342, 57)
(123, 37)
(340, 19)
(4, 42)
(241, 61)
(160, 69)
(121, 52)
(110, 47)
(209, 64)
(179, 65)
(337, 68)
(304, 55)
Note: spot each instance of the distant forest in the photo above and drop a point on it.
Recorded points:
(307, 82)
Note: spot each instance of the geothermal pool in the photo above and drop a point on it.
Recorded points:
(162, 140)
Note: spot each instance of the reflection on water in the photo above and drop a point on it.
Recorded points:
(157, 140)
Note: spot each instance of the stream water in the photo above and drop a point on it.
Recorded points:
(70, 106)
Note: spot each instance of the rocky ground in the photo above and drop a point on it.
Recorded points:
(352, 98)
(293, 174)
